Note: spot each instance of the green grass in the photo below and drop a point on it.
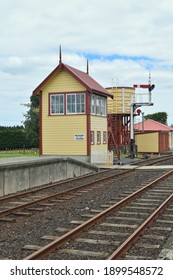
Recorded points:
(18, 153)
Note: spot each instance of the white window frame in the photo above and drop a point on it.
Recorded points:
(98, 105)
(103, 106)
(57, 104)
(93, 104)
(75, 104)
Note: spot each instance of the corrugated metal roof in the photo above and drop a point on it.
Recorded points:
(90, 84)
(87, 80)
(151, 125)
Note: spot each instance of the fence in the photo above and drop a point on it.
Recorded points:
(102, 158)
(20, 151)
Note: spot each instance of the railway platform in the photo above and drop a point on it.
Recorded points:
(21, 173)
(19, 160)
(128, 163)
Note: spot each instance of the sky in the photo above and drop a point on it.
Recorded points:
(124, 41)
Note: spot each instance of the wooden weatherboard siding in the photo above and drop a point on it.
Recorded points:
(99, 124)
(63, 82)
(120, 104)
(147, 142)
(60, 134)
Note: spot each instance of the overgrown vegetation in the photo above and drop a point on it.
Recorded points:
(12, 137)
(31, 123)
(25, 136)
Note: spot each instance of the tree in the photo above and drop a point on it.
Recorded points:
(31, 123)
(158, 117)
(12, 137)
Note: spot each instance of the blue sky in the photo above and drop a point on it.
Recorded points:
(123, 41)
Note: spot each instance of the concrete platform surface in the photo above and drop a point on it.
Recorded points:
(21, 173)
(23, 159)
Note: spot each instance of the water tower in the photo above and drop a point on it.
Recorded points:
(119, 117)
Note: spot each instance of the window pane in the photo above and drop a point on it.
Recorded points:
(104, 137)
(78, 108)
(82, 108)
(57, 104)
(92, 138)
(98, 105)
(68, 99)
(75, 103)
(98, 137)
(78, 98)
(53, 109)
(103, 106)
(73, 107)
(73, 98)
(93, 104)
(82, 98)
(68, 108)
(61, 99)
(61, 108)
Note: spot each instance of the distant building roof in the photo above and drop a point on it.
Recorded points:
(151, 125)
(91, 85)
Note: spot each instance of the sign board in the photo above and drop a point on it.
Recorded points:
(79, 137)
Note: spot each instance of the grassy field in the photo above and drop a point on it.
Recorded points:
(19, 153)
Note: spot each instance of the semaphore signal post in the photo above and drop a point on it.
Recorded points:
(133, 108)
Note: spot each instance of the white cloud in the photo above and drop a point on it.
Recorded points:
(139, 33)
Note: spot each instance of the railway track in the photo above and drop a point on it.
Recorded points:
(60, 197)
(168, 159)
(43, 195)
(121, 231)
(44, 199)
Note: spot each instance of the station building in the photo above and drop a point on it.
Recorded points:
(73, 115)
(153, 137)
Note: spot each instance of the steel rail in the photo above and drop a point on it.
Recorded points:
(60, 194)
(152, 161)
(127, 244)
(54, 184)
(160, 160)
(58, 242)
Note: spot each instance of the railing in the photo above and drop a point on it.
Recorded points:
(102, 157)
(19, 151)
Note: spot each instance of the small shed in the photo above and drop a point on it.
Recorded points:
(153, 137)
(73, 114)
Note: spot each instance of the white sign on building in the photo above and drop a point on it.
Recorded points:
(79, 137)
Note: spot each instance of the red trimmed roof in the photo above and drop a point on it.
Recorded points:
(151, 125)
(87, 81)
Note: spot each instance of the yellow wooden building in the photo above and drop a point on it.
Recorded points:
(73, 114)
(153, 137)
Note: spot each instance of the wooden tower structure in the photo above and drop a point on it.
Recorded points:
(119, 117)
